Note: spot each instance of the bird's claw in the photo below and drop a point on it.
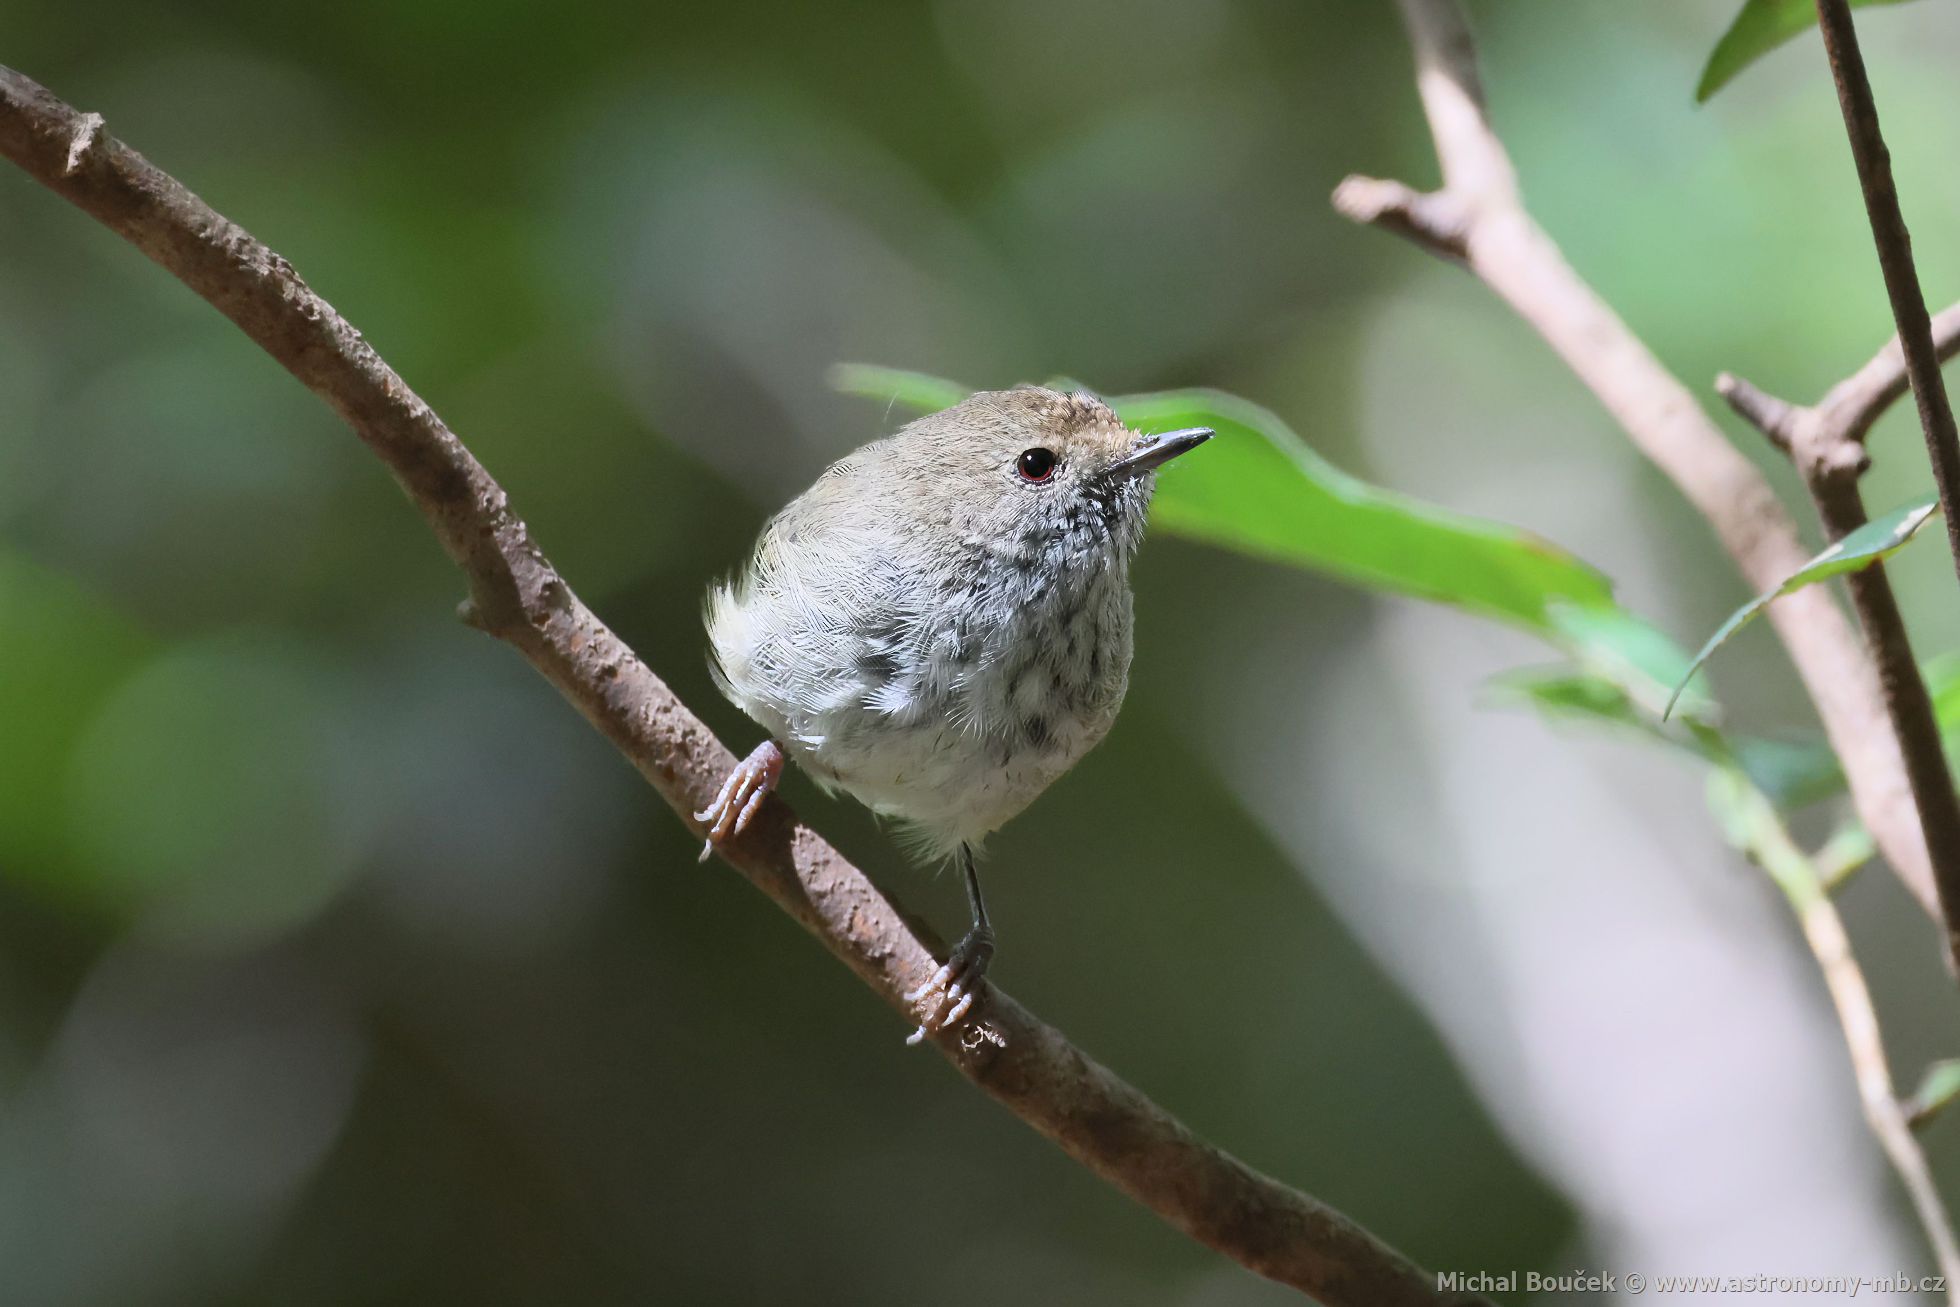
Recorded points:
(956, 984)
(741, 795)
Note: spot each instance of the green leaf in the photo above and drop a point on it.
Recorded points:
(1760, 27)
(1937, 1088)
(1794, 774)
(1258, 489)
(1943, 684)
(1620, 673)
(1867, 545)
(1843, 851)
(1789, 775)
(918, 391)
(1568, 692)
(1634, 655)
(63, 653)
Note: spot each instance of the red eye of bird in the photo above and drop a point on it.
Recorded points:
(1036, 465)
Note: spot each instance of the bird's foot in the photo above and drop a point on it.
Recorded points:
(956, 986)
(741, 794)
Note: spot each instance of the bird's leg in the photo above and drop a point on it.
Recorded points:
(741, 794)
(957, 984)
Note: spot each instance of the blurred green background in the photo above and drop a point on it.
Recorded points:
(339, 962)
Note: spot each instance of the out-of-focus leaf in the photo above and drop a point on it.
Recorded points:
(1789, 775)
(1759, 27)
(1846, 849)
(249, 736)
(1937, 1088)
(1943, 684)
(62, 653)
(1576, 693)
(1797, 773)
(1861, 548)
(1568, 692)
(1258, 489)
(917, 391)
(1751, 823)
(1639, 658)
(1620, 673)
(1740, 809)
(1793, 774)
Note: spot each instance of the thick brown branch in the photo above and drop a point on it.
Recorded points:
(1508, 251)
(1020, 1061)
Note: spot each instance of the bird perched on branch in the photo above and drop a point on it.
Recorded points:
(941, 626)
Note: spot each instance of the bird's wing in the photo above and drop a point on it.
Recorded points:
(828, 615)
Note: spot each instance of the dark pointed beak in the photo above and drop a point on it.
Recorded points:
(1152, 452)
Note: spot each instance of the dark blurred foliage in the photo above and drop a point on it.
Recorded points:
(339, 962)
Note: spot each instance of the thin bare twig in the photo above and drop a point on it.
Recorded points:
(1770, 846)
(1925, 762)
(1478, 219)
(1826, 443)
(1894, 244)
(1858, 401)
(1020, 1061)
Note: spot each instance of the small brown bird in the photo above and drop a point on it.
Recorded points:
(941, 626)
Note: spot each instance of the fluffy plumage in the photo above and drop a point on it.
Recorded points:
(933, 633)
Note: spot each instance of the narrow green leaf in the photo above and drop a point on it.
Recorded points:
(1937, 1088)
(1759, 27)
(1843, 851)
(1794, 774)
(1867, 545)
(1563, 691)
(1638, 657)
(918, 391)
(1943, 684)
(1620, 673)
(1789, 775)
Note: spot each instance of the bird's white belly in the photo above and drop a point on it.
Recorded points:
(949, 785)
(956, 739)
(953, 717)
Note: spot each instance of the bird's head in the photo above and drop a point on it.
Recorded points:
(1037, 474)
